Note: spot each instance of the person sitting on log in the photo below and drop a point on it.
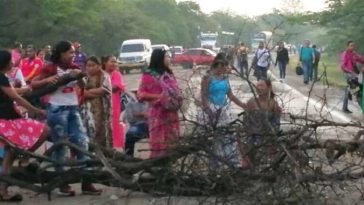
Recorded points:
(23, 133)
(261, 120)
(136, 115)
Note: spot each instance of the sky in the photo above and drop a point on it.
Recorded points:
(253, 7)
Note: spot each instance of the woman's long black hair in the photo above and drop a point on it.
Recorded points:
(157, 62)
(61, 47)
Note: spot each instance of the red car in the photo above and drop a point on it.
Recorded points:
(200, 56)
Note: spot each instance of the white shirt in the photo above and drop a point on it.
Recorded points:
(263, 56)
(65, 95)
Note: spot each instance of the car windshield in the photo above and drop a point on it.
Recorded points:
(129, 48)
(208, 38)
(158, 47)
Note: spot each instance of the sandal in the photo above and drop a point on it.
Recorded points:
(66, 190)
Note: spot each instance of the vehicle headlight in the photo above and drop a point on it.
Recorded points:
(139, 58)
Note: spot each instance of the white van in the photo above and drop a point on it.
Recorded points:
(134, 54)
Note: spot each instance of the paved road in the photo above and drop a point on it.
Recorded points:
(292, 100)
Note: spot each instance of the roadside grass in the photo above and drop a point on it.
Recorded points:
(334, 74)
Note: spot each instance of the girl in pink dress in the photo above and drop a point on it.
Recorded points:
(163, 124)
(24, 133)
(110, 65)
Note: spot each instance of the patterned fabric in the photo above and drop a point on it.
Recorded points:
(172, 95)
(96, 112)
(220, 116)
(22, 132)
(164, 128)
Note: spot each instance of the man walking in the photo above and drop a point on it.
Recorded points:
(348, 62)
(262, 59)
(307, 58)
(315, 64)
(242, 55)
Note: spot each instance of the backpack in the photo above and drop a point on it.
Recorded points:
(172, 98)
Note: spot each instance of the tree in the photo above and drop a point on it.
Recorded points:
(342, 19)
(292, 6)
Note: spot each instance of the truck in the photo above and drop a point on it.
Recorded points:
(209, 41)
(262, 36)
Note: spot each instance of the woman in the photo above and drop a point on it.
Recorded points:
(27, 134)
(260, 107)
(96, 111)
(110, 65)
(261, 117)
(215, 95)
(282, 61)
(16, 77)
(41, 54)
(163, 123)
(63, 110)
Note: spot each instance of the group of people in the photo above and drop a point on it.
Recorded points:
(88, 109)
(215, 104)
(81, 111)
(262, 60)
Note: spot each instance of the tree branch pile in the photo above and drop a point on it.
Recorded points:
(287, 163)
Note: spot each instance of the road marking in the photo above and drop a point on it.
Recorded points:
(314, 102)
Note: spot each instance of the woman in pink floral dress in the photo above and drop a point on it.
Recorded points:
(110, 65)
(163, 124)
(24, 133)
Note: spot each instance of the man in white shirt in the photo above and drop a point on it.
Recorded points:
(262, 59)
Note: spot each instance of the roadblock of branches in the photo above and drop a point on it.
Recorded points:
(289, 164)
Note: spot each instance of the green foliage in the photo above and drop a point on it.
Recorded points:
(343, 19)
(101, 26)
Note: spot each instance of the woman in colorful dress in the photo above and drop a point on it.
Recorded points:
(96, 110)
(164, 126)
(110, 65)
(24, 133)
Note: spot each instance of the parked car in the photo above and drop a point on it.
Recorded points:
(160, 46)
(177, 50)
(134, 54)
(199, 56)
